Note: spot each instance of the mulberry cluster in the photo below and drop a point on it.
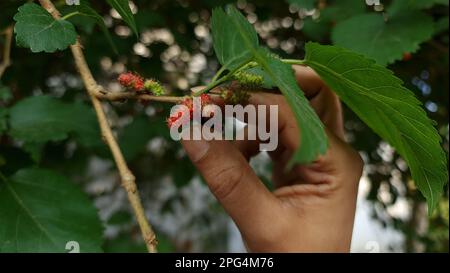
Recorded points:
(206, 103)
(137, 83)
(131, 81)
(234, 97)
(247, 79)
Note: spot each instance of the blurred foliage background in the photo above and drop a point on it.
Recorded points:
(175, 47)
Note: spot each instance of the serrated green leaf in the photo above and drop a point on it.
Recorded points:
(381, 40)
(42, 211)
(306, 4)
(228, 45)
(38, 30)
(319, 28)
(42, 118)
(123, 8)
(391, 110)
(313, 138)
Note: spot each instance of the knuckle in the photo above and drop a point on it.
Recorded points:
(225, 180)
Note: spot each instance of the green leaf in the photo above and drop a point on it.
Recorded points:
(317, 30)
(39, 31)
(306, 4)
(42, 118)
(135, 136)
(267, 81)
(86, 10)
(35, 150)
(441, 25)
(88, 19)
(182, 172)
(42, 211)
(123, 8)
(228, 44)
(313, 138)
(5, 93)
(342, 10)
(391, 110)
(402, 5)
(384, 41)
(3, 123)
(81, 23)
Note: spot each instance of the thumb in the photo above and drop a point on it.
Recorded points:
(232, 181)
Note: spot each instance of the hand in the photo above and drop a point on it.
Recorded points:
(313, 206)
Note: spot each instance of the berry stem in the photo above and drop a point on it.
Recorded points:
(293, 61)
(118, 96)
(216, 82)
(67, 16)
(218, 74)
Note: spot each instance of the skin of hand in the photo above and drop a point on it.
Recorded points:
(312, 208)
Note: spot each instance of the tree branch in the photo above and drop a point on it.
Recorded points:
(127, 178)
(118, 96)
(6, 50)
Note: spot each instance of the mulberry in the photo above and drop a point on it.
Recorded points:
(132, 81)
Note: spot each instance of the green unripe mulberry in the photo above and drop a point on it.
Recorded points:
(248, 79)
(154, 87)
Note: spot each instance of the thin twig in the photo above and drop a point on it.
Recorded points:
(128, 179)
(6, 50)
(118, 96)
(227, 77)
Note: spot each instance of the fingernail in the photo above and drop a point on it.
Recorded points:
(196, 149)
